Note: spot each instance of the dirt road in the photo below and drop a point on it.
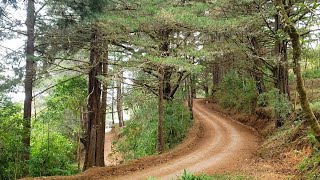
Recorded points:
(225, 146)
(216, 144)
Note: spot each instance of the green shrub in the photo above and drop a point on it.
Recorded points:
(279, 103)
(139, 137)
(11, 147)
(311, 74)
(51, 154)
(236, 92)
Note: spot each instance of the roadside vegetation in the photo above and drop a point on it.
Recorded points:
(189, 176)
(139, 137)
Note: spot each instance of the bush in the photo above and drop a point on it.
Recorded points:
(279, 103)
(236, 92)
(51, 154)
(11, 147)
(139, 137)
(311, 74)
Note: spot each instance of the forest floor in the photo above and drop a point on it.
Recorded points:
(216, 144)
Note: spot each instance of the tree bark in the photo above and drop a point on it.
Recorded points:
(103, 106)
(193, 87)
(96, 124)
(310, 119)
(257, 74)
(281, 70)
(216, 76)
(161, 112)
(119, 101)
(112, 106)
(190, 94)
(28, 83)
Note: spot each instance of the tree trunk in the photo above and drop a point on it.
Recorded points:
(28, 83)
(193, 87)
(112, 105)
(216, 76)
(206, 90)
(310, 119)
(167, 88)
(257, 74)
(161, 112)
(96, 125)
(205, 83)
(103, 106)
(119, 100)
(190, 94)
(281, 71)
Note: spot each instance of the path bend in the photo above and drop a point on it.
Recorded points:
(216, 144)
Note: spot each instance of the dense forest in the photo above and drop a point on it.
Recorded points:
(146, 77)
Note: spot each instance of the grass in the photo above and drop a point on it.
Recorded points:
(309, 167)
(188, 176)
(315, 106)
(279, 140)
(311, 74)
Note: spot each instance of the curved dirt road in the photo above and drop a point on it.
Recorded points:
(225, 145)
(216, 144)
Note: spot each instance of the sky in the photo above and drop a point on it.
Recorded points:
(15, 44)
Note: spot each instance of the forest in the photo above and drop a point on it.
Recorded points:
(160, 89)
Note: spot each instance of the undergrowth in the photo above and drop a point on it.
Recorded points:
(188, 176)
(278, 103)
(139, 137)
(288, 140)
(237, 92)
(309, 167)
(311, 74)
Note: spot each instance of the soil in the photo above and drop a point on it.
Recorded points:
(108, 148)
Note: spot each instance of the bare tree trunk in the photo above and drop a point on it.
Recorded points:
(161, 112)
(216, 76)
(281, 70)
(119, 100)
(28, 83)
(206, 90)
(79, 139)
(310, 119)
(103, 106)
(190, 94)
(257, 74)
(96, 126)
(193, 87)
(112, 106)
